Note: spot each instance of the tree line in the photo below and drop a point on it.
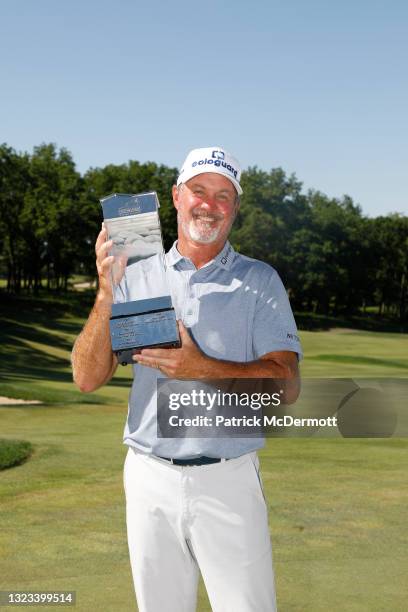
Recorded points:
(332, 259)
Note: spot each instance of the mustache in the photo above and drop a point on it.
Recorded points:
(204, 214)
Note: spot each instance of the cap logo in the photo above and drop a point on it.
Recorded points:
(215, 162)
(218, 154)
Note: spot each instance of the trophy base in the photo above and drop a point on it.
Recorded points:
(143, 324)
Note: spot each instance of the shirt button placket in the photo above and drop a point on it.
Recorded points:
(189, 310)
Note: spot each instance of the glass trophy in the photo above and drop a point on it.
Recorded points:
(142, 311)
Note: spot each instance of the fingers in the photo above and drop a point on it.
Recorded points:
(184, 334)
(158, 353)
(102, 237)
(103, 249)
(119, 267)
(156, 358)
(105, 265)
(109, 265)
(117, 271)
(102, 244)
(103, 259)
(152, 362)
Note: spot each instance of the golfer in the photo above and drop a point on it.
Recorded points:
(196, 504)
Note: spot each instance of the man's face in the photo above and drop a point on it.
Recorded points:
(206, 208)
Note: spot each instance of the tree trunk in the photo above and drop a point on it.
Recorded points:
(403, 297)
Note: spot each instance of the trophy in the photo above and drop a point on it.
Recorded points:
(142, 311)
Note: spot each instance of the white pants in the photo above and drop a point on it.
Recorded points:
(211, 518)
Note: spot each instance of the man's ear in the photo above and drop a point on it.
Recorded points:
(237, 206)
(176, 195)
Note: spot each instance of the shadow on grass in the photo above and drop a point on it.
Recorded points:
(32, 334)
(48, 332)
(359, 360)
(308, 321)
(47, 306)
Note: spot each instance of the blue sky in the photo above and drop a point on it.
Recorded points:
(318, 87)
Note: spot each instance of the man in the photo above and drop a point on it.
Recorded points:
(197, 503)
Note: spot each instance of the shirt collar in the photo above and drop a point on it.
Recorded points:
(223, 260)
(173, 256)
(225, 257)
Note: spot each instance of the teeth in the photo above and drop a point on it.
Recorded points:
(205, 218)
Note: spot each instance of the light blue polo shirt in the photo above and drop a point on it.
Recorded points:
(236, 308)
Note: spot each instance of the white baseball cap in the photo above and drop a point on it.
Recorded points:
(211, 159)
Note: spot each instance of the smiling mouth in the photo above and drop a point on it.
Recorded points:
(208, 219)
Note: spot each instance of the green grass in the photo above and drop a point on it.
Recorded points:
(345, 352)
(337, 507)
(36, 338)
(337, 514)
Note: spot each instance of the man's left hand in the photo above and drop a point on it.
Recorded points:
(185, 362)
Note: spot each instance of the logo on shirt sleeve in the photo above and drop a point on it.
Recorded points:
(293, 337)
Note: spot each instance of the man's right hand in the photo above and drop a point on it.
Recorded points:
(110, 268)
(104, 263)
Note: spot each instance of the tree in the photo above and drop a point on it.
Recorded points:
(332, 259)
(390, 235)
(135, 177)
(50, 223)
(14, 182)
(272, 208)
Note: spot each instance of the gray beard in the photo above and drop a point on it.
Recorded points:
(196, 230)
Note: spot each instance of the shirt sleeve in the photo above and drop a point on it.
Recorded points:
(274, 325)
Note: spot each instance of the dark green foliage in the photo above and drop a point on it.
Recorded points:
(50, 215)
(39, 200)
(134, 177)
(333, 260)
(13, 452)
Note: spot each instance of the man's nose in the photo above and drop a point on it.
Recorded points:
(209, 202)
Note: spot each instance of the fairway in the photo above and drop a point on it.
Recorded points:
(337, 507)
